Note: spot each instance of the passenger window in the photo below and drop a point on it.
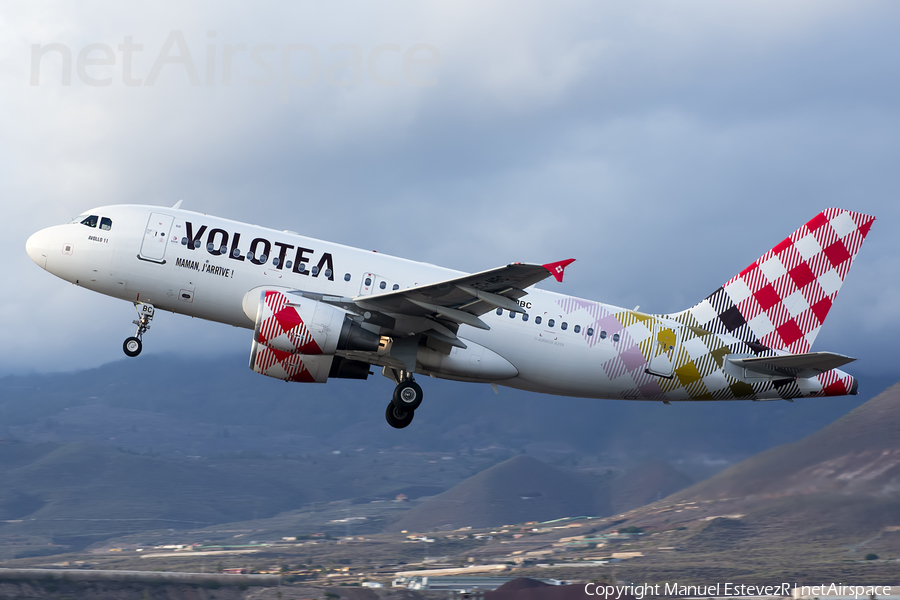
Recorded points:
(196, 244)
(90, 221)
(537, 320)
(287, 265)
(564, 325)
(105, 223)
(577, 328)
(346, 276)
(499, 311)
(615, 337)
(396, 287)
(368, 281)
(315, 270)
(184, 241)
(327, 273)
(250, 255)
(602, 335)
(512, 315)
(590, 331)
(382, 285)
(551, 323)
(275, 262)
(524, 316)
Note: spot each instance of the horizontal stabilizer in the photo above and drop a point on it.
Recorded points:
(801, 366)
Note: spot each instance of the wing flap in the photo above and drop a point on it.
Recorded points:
(810, 364)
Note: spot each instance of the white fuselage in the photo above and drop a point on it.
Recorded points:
(552, 354)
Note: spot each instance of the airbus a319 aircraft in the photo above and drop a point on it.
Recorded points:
(320, 310)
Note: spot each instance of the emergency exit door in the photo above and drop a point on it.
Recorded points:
(156, 237)
(664, 349)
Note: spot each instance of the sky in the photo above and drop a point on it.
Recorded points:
(664, 145)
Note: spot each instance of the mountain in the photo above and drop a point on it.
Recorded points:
(645, 483)
(207, 407)
(858, 454)
(75, 493)
(518, 490)
(827, 506)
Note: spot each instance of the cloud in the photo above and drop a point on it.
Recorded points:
(665, 146)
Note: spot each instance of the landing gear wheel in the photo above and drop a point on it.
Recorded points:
(397, 417)
(132, 346)
(407, 395)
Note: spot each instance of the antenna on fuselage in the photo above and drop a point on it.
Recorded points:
(178, 204)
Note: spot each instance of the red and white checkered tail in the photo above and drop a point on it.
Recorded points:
(781, 300)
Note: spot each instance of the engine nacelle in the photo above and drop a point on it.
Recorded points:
(303, 368)
(295, 338)
(288, 322)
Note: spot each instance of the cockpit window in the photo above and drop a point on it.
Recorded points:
(105, 223)
(90, 220)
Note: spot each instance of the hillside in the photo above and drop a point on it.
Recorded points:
(518, 490)
(204, 407)
(58, 497)
(74, 494)
(524, 489)
(804, 511)
(857, 454)
(98, 454)
(645, 483)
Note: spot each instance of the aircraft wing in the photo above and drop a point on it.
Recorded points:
(806, 365)
(463, 299)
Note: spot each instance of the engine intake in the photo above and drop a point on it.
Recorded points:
(296, 338)
(288, 322)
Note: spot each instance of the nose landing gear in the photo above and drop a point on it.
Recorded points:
(133, 345)
(407, 398)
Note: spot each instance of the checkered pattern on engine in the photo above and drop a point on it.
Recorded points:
(282, 327)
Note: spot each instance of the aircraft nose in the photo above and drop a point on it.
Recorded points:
(37, 247)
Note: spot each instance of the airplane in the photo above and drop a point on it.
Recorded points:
(320, 310)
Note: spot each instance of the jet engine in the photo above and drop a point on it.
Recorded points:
(295, 338)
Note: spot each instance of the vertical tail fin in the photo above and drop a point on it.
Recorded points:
(781, 300)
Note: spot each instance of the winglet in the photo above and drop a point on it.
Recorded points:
(558, 268)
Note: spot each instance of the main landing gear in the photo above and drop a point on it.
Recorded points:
(402, 408)
(133, 345)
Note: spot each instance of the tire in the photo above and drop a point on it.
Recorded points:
(398, 418)
(407, 396)
(132, 347)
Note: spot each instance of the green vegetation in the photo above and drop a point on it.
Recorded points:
(871, 556)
